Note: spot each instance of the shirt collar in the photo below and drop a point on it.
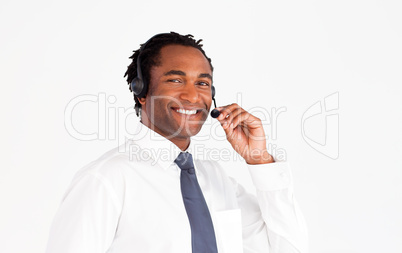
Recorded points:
(153, 145)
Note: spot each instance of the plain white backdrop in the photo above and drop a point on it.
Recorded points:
(325, 76)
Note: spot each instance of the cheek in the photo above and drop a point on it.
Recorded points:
(207, 98)
(157, 105)
(163, 93)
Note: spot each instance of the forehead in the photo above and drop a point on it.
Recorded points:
(178, 56)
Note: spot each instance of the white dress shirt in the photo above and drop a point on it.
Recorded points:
(129, 200)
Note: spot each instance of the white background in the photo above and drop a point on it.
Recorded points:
(288, 54)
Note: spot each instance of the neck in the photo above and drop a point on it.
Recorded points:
(180, 142)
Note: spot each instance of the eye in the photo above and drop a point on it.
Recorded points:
(202, 83)
(174, 80)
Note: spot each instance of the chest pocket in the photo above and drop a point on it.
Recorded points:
(228, 231)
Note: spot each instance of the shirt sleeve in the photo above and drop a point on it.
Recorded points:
(87, 218)
(272, 222)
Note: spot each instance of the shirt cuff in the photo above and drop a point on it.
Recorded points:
(271, 176)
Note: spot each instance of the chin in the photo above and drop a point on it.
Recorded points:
(190, 131)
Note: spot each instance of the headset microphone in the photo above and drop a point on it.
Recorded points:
(215, 112)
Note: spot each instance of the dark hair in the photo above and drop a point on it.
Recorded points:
(150, 57)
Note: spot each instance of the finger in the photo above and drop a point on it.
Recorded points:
(250, 125)
(240, 128)
(248, 120)
(228, 130)
(229, 118)
(240, 118)
(226, 110)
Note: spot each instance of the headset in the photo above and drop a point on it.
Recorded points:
(140, 88)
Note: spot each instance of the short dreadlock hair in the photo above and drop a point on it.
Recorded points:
(150, 56)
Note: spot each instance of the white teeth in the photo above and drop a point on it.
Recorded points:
(189, 112)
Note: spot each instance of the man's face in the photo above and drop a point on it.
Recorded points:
(179, 95)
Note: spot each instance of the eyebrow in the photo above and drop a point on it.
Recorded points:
(181, 73)
(175, 72)
(205, 75)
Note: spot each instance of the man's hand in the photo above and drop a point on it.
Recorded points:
(245, 133)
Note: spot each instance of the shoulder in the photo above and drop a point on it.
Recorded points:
(101, 179)
(107, 170)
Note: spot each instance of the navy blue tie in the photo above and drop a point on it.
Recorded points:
(202, 230)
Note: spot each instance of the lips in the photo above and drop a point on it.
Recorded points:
(187, 112)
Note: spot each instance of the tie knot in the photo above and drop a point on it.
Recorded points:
(185, 162)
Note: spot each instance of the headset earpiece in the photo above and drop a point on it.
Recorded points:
(137, 86)
(213, 91)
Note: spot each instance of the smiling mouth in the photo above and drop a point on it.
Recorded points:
(187, 112)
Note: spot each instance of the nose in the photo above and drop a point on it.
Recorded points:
(190, 93)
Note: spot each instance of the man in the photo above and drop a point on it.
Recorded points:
(155, 197)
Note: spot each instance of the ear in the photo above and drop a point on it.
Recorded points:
(141, 100)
